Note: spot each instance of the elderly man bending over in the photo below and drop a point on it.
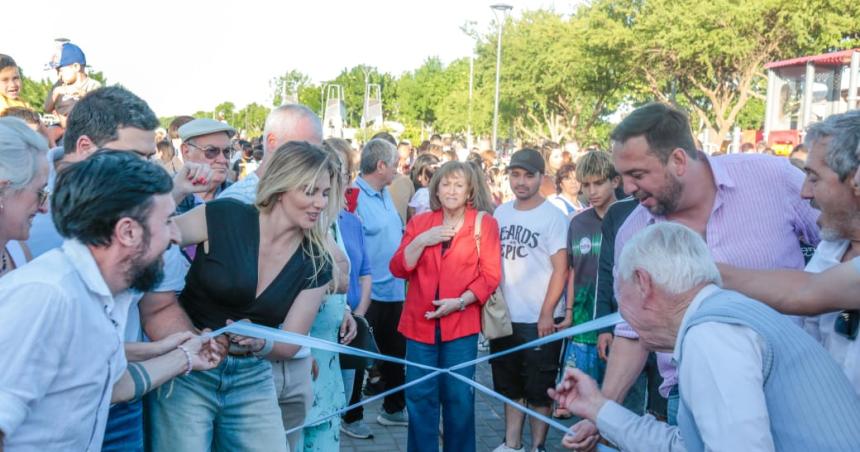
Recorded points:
(749, 378)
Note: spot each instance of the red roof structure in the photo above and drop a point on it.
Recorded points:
(843, 57)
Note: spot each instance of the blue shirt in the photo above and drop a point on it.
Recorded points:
(383, 230)
(359, 261)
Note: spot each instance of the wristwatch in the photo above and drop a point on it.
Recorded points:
(462, 303)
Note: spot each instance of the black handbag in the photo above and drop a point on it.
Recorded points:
(363, 340)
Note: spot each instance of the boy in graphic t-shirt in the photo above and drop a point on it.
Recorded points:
(534, 267)
(597, 175)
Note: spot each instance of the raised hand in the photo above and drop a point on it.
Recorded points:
(192, 178)
(436, 235)
(579, 394)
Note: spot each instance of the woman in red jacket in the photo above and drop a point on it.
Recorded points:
(450, 278)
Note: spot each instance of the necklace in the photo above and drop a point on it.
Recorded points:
(456, 223)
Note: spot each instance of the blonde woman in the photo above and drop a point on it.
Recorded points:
(269, 263)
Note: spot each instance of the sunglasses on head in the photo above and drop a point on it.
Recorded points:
(847, 323)
(212, 152)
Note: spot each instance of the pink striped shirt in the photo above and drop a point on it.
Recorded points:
(757, 222)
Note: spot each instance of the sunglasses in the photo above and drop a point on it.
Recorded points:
(43, 195)
(847, 324)
(212, 152)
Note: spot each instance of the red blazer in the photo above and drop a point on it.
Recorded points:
(455, 272)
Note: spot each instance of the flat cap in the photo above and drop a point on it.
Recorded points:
(204, 126)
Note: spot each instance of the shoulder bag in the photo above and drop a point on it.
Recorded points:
(495, 317)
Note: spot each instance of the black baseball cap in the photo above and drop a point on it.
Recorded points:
(529, 160)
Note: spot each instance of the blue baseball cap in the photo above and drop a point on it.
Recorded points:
(71, 54)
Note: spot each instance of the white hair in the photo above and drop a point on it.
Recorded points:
(676, 258)
(287, 122)
(20, 150)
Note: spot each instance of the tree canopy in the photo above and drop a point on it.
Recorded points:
(564, 75)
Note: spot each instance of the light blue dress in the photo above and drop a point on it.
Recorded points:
(328, 387)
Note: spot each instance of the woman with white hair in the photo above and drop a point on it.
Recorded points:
(23, 181)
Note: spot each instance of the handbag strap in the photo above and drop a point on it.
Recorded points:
(478, 219)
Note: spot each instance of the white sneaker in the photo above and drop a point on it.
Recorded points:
(399, 418)
(504, 448)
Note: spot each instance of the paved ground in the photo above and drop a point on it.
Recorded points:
(490, 420)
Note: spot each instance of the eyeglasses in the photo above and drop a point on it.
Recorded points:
(43, 195)
(212, 152)
(847, 323)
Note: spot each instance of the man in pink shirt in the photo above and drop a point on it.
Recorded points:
(747, 207)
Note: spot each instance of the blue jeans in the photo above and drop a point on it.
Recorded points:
(230, 408)
(457, 399)
(672, 406)
(585, 358)
(124, 430)
(348, 380)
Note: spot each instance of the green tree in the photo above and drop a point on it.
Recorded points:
(251, 119)
(420, 91)
(34, 92)
(98, 76)
(225, 111)
(310, 97)
(560, 76)
(353, 82)
(290, 85)
(711, 54)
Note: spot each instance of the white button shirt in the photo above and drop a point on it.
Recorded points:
(62, 352)
(721, 380)
(844, 351)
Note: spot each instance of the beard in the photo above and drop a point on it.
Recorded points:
(144, 276)
(667, 200)
(833, 227)
(831, 235)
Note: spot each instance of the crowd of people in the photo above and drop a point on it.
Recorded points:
(124, 245)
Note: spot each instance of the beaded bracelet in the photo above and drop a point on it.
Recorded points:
(187, 357)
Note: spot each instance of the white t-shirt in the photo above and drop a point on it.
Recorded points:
(529, 238)
(420, 201)
(844, 351)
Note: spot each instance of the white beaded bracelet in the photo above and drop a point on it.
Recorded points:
(187, 357)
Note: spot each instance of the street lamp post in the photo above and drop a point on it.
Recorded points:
(469, 29)
(471, 81)
(503, 9)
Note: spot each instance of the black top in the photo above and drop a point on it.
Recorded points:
(222, 284)
(612, 221)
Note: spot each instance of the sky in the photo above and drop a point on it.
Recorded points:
(185, 56)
